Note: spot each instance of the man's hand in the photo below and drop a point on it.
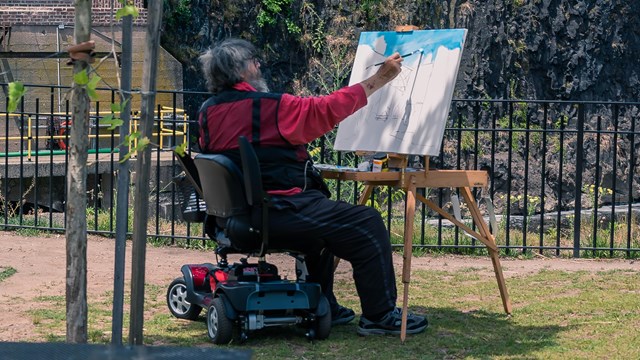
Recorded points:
(391, 67)
(387, 72)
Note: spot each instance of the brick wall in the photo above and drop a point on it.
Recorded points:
(55, 12)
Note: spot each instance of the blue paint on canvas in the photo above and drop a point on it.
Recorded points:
(404, 43)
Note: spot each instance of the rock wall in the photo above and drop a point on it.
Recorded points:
(568, 50)
(538, 49)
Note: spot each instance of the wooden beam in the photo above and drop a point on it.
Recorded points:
(456, 222)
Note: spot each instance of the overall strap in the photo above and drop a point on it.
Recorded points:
(232, 96)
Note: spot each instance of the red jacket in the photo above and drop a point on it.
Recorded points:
(285, 122)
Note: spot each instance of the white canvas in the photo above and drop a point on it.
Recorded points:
(408, 115)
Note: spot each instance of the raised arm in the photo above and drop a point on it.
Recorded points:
(301, 120)
(387, 72)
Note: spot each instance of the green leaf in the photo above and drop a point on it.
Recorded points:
(127, 10)
(181, 149)
(16, 91)
(81, 78)
(142, 144)
(91, 87)
(127, 156)
(116, 108)
(112, 121)
(134, 135)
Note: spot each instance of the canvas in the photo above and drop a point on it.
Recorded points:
(408, 115)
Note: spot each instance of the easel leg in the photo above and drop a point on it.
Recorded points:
(410, 210)
(483, 228)
(502, 286)
(365, 194)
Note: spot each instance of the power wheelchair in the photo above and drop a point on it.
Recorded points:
(242, 297)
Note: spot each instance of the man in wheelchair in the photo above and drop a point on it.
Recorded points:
(301, 215)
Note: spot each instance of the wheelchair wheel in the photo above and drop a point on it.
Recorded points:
(177, 301)
(322, 325)
(219, 326)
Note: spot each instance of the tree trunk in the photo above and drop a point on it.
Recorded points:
(143, 168)
(76, 206)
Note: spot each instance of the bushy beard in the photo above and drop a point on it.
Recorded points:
(259, 84)
(257, 81)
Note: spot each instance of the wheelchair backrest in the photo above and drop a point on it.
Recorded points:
(236, 197)
(222, 185)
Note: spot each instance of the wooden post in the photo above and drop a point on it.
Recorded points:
(76, 205)
(143, 169)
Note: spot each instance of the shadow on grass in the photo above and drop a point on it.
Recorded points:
(485, 334)
(451, 334)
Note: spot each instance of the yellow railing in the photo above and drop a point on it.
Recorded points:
(168, 126)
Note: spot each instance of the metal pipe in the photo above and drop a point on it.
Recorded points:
(122, 186)
(54, 152)
(280, 320)
(60, 27)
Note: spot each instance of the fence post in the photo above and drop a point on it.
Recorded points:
(578, 188)
(122, 200)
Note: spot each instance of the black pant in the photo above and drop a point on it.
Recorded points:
(312, 224)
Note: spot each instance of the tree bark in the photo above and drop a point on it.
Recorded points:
(76, 205)
(143, 169)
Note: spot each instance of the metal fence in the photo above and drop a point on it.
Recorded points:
(563, 175)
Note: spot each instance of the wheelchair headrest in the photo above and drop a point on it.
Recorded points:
(222, 185)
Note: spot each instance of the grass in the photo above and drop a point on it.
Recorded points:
(6, 273)
(556, 315)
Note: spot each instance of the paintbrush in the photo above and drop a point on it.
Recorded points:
(402, 56)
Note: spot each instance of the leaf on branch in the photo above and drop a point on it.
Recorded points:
(16, 91)
(112, 121)
(142, 144)
(81, 78)
(134, 135)
(127, 10)
(181, 149)
(91, 87)
(127, 156)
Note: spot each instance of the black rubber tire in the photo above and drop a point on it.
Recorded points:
(219, 326)
(322, 324)
(177, 302)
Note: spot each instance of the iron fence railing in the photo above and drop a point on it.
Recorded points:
(564, 176)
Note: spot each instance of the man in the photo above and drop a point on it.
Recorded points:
(302, 217)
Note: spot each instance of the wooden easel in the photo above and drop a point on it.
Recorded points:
(410, 181)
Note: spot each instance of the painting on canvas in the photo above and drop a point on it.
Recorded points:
(408, 115)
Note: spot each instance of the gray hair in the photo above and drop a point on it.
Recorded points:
(224, 64)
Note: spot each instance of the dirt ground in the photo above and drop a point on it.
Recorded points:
(40, 263)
